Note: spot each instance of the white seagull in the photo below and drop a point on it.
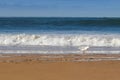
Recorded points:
(84, 48)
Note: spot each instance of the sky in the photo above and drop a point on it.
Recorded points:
(59, 8)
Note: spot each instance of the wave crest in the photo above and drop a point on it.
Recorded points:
(60, 40)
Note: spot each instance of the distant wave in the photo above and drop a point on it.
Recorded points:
(60, 40)
(61, 21)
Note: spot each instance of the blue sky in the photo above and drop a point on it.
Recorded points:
(60, 8)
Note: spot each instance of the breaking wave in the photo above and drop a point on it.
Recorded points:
(60, 39)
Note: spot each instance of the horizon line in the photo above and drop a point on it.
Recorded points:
(54, 17)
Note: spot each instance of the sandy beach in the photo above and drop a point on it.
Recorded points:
(34, 67)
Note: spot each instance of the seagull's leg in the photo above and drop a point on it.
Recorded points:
(83, 52)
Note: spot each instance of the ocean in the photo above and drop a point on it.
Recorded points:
(59, 35)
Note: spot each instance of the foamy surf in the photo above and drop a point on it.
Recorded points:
(61, 39)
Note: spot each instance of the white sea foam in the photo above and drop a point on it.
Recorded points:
(60, 39)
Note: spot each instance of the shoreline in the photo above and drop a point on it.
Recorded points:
(11, 58)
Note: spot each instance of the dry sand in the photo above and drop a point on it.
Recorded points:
(36, 69)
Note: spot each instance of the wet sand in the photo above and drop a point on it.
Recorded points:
(58, 67)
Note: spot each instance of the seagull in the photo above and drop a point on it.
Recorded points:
(84, 48)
